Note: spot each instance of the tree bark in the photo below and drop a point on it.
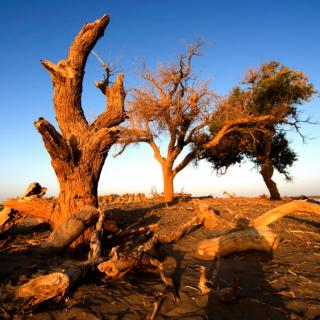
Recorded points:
(267, 168)
(168, 188)
(79, 150)
(267, 172)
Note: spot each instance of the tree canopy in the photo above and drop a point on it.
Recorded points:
(271, 89)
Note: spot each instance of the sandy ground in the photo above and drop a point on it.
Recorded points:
(284, 285)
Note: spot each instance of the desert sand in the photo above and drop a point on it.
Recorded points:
(284, 284)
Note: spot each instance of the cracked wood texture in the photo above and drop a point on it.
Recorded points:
(79, 150)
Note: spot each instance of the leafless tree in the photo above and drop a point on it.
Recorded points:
(79, 150)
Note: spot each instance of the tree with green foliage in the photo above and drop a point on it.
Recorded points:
(174, 109)
(272, 89)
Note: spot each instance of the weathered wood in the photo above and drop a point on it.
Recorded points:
(258, 237)
(130, 232)
(123, 259)
(53, 286)
(79, 149)
(206, 214)
(40, 289)
(34, 189)
(283, 210)
(170, 236)
(35, 207)
(262, 239)
(69, 229)
(203, 281)
(95, 238)
(8, 217)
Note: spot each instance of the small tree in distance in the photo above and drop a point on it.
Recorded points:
(174, 103)
(237, 147)
(274, 89)
(177, 106)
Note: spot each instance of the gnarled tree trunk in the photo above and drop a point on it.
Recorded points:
(267, 171)
(79, 150)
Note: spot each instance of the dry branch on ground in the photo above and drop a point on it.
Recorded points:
(257, 237)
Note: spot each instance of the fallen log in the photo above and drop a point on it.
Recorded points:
(123, 259)
(262, 239)
(257, 237)
(170, 236)
(40, 289)
(285, 209)
(32, 206)
(53, 286)
(204, 214)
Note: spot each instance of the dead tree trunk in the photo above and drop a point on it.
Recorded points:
(79, 150)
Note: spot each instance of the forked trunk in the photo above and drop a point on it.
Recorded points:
(168, 188)
(267, 172)
(79, 150)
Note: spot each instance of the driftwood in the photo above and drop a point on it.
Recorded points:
(130, 232)
(34, 190)
(142, 254)
(8, 217)
(40, 289)
(121, 260)
(53, 286)
(32, 206)
(285, 209)
(174, 235)
(63, 234)
(31, 203)
(237, 241)
(95, 238)
(257, 237)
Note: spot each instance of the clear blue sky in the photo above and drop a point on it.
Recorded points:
(240, 34)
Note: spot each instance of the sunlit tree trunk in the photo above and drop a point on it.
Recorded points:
(168, 188)
(79, 150)
(267, 171)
